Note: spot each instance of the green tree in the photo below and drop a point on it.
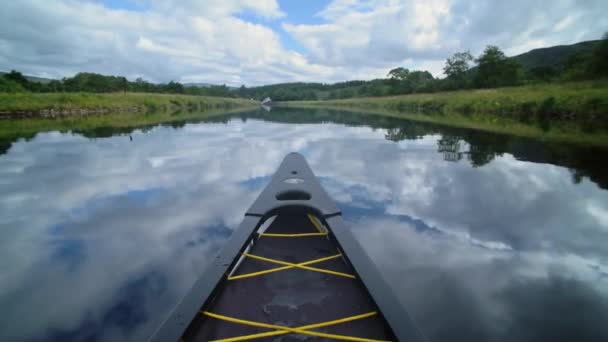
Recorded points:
(10, 86)
(419, 77)
(419, 80)
(399, 74)
(174, 87)
(17, 77)
(124, 84)
(542, 73)
(243, 91)
(457, 66)
(576, 66)
(404, 81)
(598, 62)
(495, 69)
(54, 86)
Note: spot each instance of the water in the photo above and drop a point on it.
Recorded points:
(484, 237)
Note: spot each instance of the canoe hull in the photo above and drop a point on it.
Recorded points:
(293, 203)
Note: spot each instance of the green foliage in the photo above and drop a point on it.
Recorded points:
(457, 66)
(495, 69)
(569, 112)
(144, 101)
(93, 125)
(419, 77)
(542, 73)
(598, 62)
(576, 67)
(587, 64)
(580, 103)
(300, 91)
(96, 83)
(10, 86)
(16, 77)
(554, 57)
(582, 61)
(400, 74)
(403, 81)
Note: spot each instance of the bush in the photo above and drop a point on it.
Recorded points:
(10, 86)
(466, 109)
(526, 111)
(432, 106)
(547, 107)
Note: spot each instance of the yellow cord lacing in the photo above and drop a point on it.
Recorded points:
(305, 329)
(289, 265)
(282, 330)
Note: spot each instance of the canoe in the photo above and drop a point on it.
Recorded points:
(292, 270)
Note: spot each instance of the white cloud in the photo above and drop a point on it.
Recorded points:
(218, 8)
(233, 41)
(184, 41)
(421, 34)
(506, 221)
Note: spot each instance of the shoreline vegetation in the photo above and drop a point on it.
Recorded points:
(88, 112)
(30, 105)
(575, 112)
(558, 93)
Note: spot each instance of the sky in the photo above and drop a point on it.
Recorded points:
(256, 42)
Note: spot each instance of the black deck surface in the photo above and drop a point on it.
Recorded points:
(293, 297)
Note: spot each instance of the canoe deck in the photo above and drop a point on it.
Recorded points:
(291, 297)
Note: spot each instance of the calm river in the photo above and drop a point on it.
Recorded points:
(484, 237)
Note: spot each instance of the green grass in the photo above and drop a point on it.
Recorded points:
(145, 101)
(11, 130)
(571, 112)
(154, 109)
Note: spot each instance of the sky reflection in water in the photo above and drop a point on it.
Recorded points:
(101, 237)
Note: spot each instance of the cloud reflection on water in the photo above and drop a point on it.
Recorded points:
(102, 236)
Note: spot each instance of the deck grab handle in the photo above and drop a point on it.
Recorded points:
(293, 195)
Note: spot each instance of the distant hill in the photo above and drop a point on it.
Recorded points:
(206, 85)
(200, 85)
(32, 78)
(47, 80)
(554, 56)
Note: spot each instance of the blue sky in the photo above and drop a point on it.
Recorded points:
(304, 12)
(254, 42)
(129, 5)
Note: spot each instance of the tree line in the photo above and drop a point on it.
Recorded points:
(492, 68)
(14, 81)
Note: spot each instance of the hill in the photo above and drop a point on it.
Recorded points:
(33, 78)
(551, 64)
(554, 56)
(544, 64)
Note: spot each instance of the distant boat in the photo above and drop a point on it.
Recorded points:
(266, 108)
(267, 101)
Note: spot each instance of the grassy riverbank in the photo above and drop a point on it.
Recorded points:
(572, 112)
(153, 109)
(11, 130)
(145, 101)
(577, 101)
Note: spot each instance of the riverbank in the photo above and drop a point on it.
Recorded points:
(100, 125)
(33, 113)
(575, 101)
(572, 112)
(29, 105)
